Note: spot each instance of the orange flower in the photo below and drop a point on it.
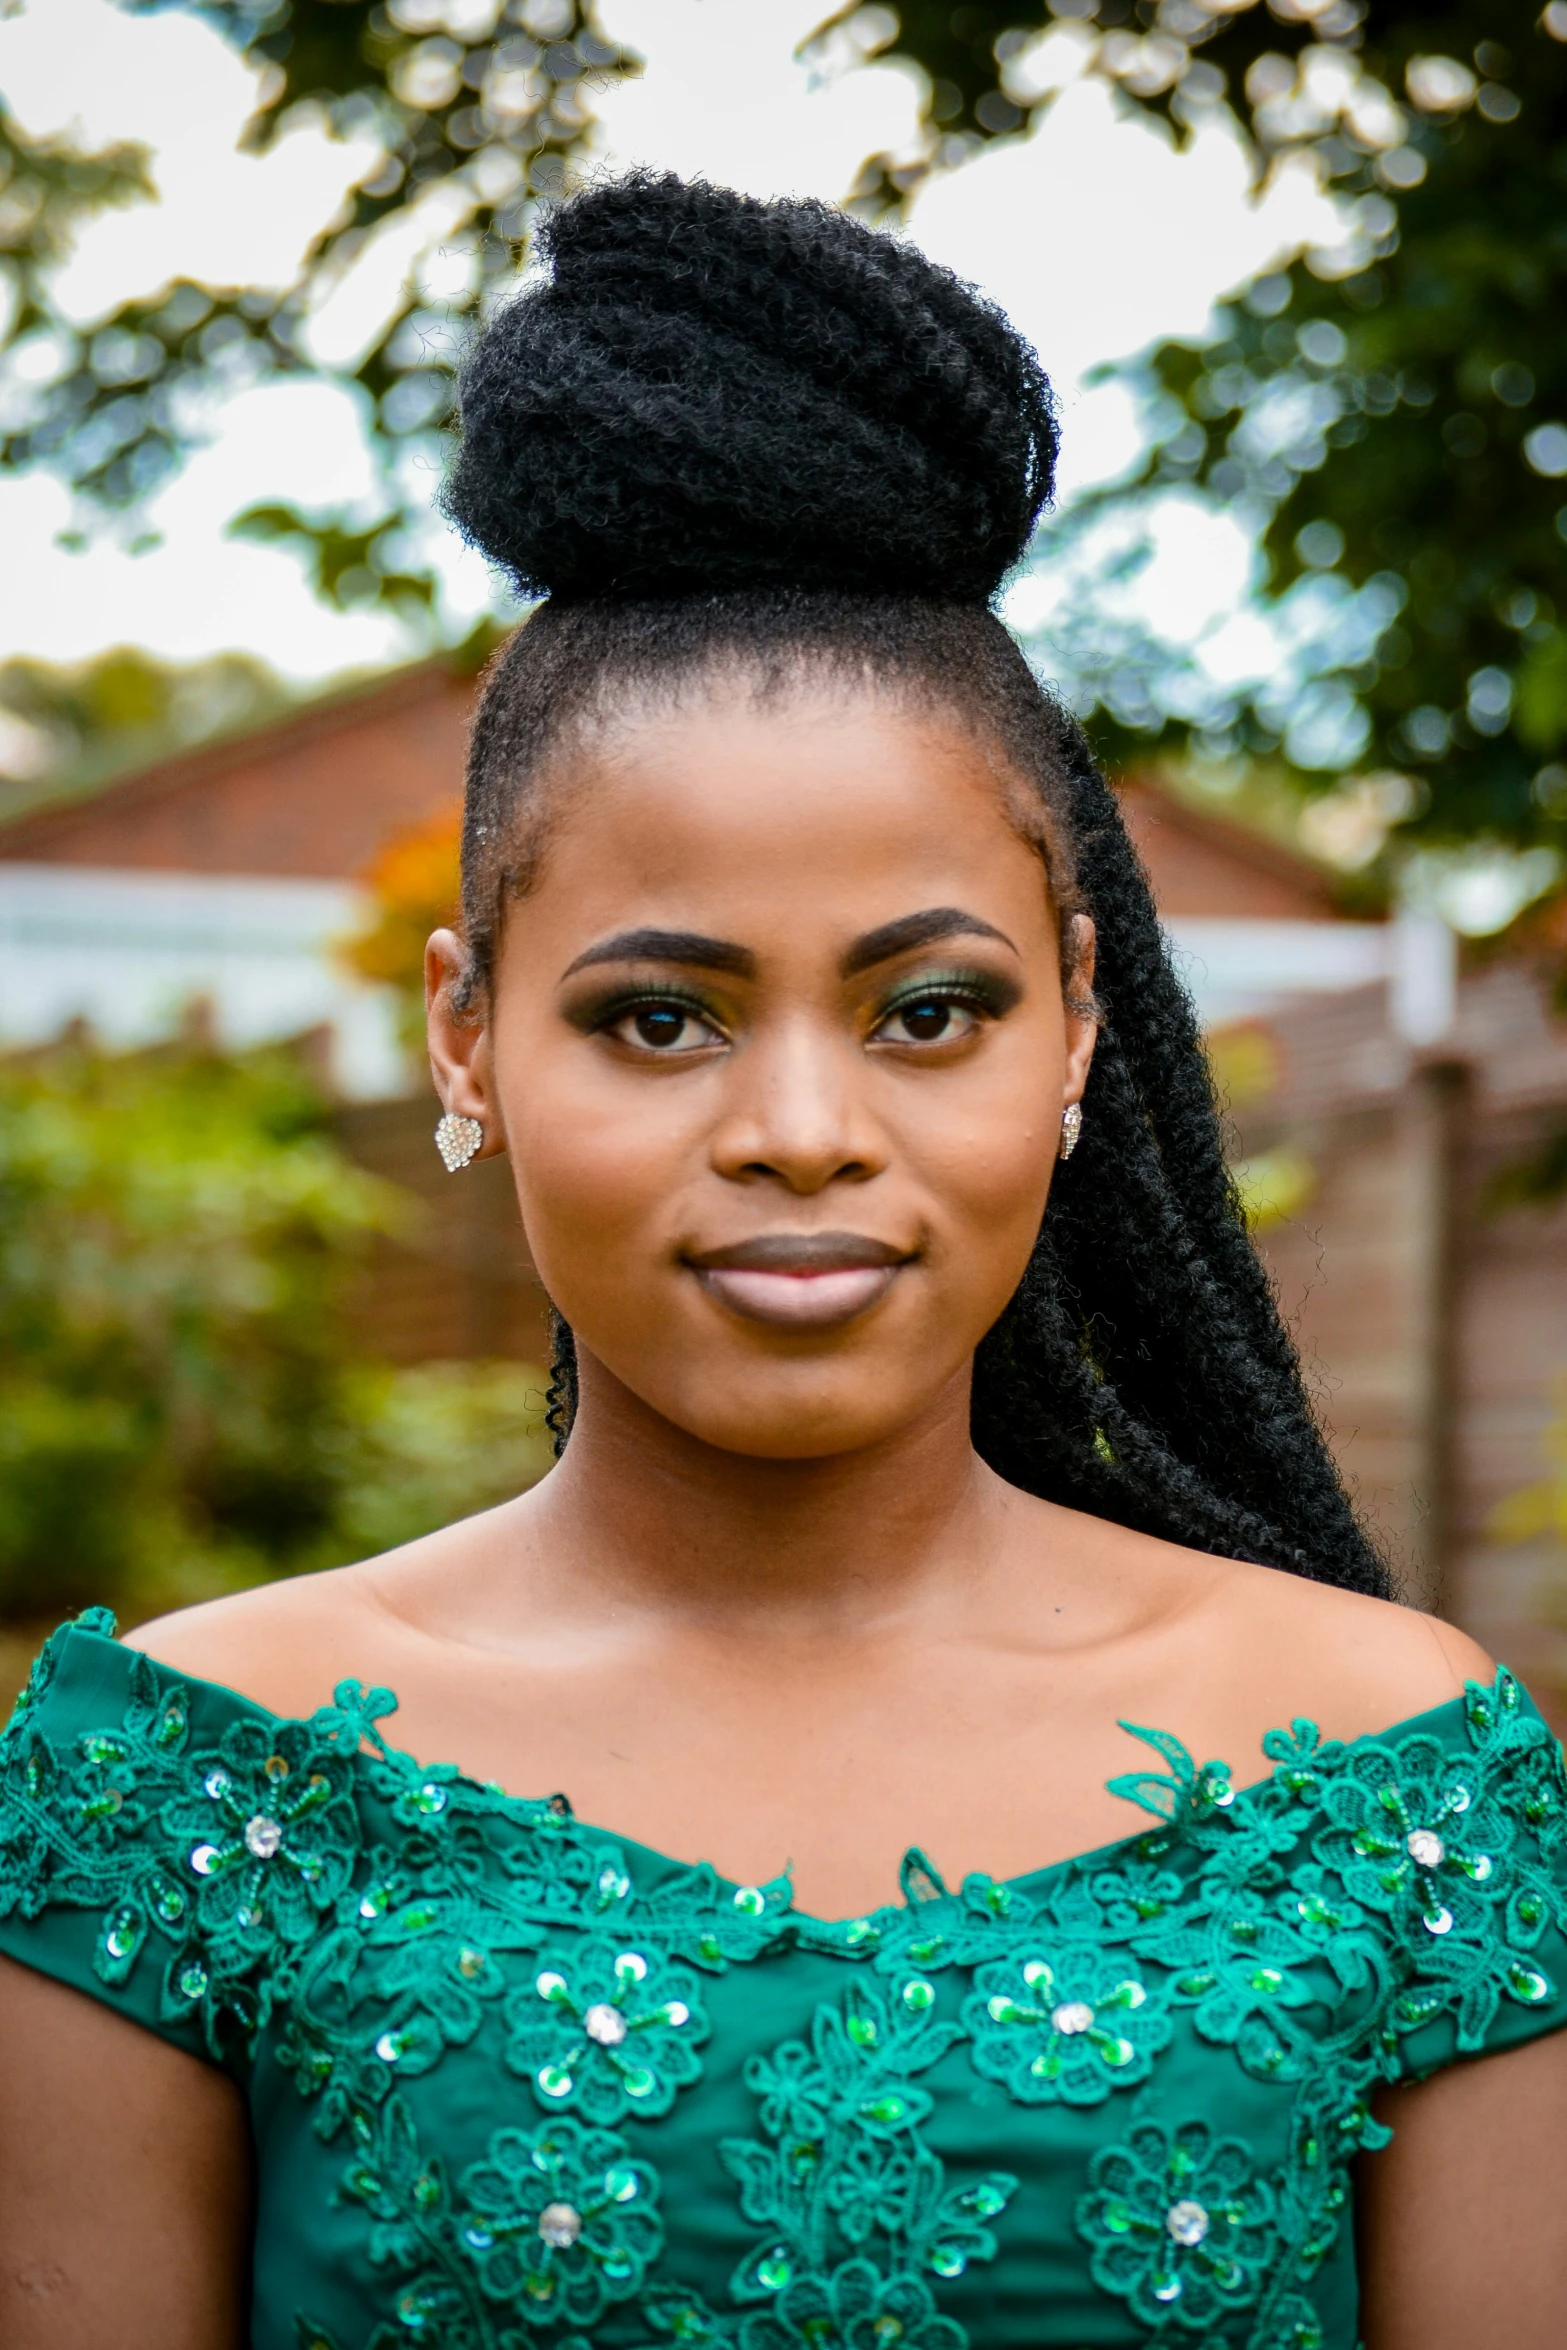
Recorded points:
(413, 880)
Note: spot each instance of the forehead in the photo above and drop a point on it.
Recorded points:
(830, 810)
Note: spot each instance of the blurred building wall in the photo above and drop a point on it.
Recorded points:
(313, 795)
(1432, 1319)
(1431, 1327)
(229, 873)
(460, 1282)
(126, 951)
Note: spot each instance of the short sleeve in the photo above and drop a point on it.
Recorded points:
(1475, 1826)
(127, 1793)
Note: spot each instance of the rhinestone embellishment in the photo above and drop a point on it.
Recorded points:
(560, 2224)
(458, 1139)
(1187, 2222)
(1380, 1865)
(263, 1836)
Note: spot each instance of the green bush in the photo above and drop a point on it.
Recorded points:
(435, 1443)
(181, 1410)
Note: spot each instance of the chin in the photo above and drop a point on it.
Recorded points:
(773, 1427)
(785, 1441)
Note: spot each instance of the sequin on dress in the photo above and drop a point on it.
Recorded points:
(517, 2084)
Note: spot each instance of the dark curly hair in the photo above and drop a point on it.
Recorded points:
(731, 436)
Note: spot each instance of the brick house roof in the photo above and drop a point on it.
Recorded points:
(316, 793)
(313, 793)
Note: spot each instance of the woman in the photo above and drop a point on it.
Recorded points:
(909, 1457)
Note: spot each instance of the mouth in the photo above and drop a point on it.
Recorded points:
(800, 1280)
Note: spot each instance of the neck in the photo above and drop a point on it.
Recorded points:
(646, 1514)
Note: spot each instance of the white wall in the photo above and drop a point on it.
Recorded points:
(126, 951)
(1238, 967)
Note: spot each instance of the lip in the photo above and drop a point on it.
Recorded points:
(800, 1280)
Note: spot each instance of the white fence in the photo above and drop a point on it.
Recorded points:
(1237, 967)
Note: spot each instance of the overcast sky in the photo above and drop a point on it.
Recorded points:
(1094, 234)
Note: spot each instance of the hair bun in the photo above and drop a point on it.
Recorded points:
(710, 393)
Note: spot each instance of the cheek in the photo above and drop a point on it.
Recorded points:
(598, 1178)
(986, 1161)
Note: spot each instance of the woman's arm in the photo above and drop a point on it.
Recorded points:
(1462, 2221)
(124, 2182)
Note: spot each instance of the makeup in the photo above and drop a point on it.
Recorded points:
(801, 1280)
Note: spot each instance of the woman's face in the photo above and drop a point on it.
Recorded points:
(778, 1048)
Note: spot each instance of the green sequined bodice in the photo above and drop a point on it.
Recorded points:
(518, 2085)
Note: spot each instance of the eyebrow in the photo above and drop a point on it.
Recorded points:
(668, 946)
(915, 930)
(692, 947)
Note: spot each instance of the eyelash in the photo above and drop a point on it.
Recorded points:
(973, 992)
(610, 1016)
(967, 991)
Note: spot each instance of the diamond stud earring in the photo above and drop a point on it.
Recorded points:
(458, 1139)
(1071, 1128)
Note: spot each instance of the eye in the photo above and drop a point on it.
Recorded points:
(665, 1026)
(928, 1019)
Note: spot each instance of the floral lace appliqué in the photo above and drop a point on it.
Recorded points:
(607, 2030)
(1362, 1913)
(1074, 2025)
(550, 2227)
(1179, 2227)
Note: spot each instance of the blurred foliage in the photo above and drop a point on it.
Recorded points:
(46, 187)
(1396, 427)
(431, 1444)
(347, 566)
(1390, 413)
(175, 1233)
(73, 727)
(1274, 1185)
(1245, 1060)
(415, 886)
(181, 1409)
(1539, 1508)
(477, 106)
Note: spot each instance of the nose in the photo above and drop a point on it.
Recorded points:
(797, 1113)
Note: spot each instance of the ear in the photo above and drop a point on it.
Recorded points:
(461, 1061)
(1082, 1016)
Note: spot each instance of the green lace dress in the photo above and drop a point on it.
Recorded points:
(518, 2084)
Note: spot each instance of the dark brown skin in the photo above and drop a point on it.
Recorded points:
(124, 2182)
(771, 1608)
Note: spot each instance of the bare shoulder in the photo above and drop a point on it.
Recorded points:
(282, 1644)
(1235, 1649)
(1354, 1664)
(288, 1644)
(1254, 1647)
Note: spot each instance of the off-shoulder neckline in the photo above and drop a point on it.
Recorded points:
(662, 1863)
